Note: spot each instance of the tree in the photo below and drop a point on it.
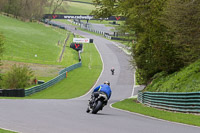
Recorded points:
(182, 19)
(25, 9)
(31, 9)
(18, 77)
(153, 52)
(54, 6)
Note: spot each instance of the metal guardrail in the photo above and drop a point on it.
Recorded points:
(62, 73)
(70, 68)
(61, 76)
(173, 101)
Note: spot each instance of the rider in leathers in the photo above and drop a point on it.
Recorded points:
(102, 88)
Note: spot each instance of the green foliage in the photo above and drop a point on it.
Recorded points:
(166, 32)
(104, 8)
(152, 53)
(185, 80)
(25, 9)
(182, 19)
(18, 77)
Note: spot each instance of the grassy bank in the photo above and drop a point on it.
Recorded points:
(78, 81)
(132, 106)
(185, 80)
(79, 8)
(35, 45)
(31, 42)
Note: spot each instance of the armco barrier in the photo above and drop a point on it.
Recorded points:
(72, 67)
(12, 93)
(42, 86)
(180, 102)
(61, 76)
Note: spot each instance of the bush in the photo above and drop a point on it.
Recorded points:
(18, 77)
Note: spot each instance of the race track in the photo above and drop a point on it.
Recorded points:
(69, 116)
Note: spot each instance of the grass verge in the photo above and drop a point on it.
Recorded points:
(78, 81)
(6, 131)
(132, 106)
(185, 80)
(78, 8)
(31, 42)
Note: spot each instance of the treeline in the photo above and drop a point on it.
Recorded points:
(167, 33)
(30, 9)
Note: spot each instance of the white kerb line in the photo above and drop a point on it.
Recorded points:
(133, 85)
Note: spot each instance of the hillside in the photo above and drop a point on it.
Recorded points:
(186, 80)
(76, 7)
(35, 45)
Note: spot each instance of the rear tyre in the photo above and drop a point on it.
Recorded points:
(98, 107)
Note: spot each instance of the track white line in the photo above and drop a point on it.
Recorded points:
(128, 53)
(132, 94)
(97, 79)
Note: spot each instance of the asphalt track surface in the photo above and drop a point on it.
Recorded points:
(69, 116)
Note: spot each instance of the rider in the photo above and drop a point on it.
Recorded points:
(104, 88)
(112, 70)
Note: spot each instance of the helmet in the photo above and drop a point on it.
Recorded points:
(107, 82)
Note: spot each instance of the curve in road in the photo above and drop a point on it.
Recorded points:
(69, 116)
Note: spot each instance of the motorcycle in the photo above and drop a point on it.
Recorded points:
(97, 102)
(112, 71)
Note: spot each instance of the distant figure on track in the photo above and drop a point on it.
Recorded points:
(112, 70)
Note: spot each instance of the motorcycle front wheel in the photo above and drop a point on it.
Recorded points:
(98, 107)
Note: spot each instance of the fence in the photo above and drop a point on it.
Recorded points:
(180, 102)
(62, 73)
(61, 76)
(86, 26)
(32, 90)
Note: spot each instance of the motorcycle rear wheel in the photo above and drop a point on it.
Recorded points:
(98, 107)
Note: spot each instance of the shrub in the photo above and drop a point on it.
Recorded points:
(18, 77)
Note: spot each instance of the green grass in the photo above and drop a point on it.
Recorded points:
(24, 40)
(70, 56)
(90, 1)
(78, 81)
(65, 21)
(6, 131)
(76, 8)
(132, 106)
(97, 21)
(186, 80)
